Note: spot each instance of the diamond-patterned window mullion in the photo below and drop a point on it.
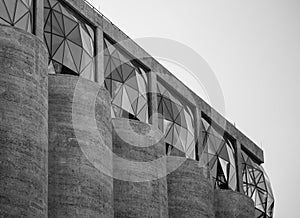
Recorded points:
(222, 149)
(119, 68)
(259, 183)
(172, 110)
(15, 8)
(17, 13)
(69, 41)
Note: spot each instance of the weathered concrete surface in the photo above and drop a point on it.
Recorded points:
(139, 191)
(77, 188)
(23, 124)
(230, 204)
(84, 9)
(189, 192)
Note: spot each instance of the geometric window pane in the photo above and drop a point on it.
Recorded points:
(70, 41)
(127, 84)
(219, 156)
(18, 13)
(176, 120)
(257, 186)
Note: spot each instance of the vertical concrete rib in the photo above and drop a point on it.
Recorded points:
(239, 166)
(99, 58)
(23, 124)
(39, 18)
(200, 140)
(153, 104)
(77, 188)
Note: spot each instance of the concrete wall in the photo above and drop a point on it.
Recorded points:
(189, 192)
(230, 204)
(23, 124)
(77, 185)
(138, 190)
(80, 165)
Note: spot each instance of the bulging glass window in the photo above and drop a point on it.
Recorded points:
(127, 83)
(176, 120)
(257, 186)
(18, 13)
(219, 156)
(70, 41)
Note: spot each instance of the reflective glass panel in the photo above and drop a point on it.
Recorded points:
(219, 156)
(176, 120)
(18, 13)
(257, 186)
(70, 41)
(127, 83)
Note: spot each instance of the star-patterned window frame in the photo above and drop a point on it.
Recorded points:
(70, 41)
(176, 120)
(127, 82)
(219, 156)
(17, 13)
(257, 186)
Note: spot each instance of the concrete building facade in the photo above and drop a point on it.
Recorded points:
(90, 129)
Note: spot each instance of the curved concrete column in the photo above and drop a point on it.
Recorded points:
(139, 191)
(189, 192)
(23, 124)
(230, 204)
(77, 186)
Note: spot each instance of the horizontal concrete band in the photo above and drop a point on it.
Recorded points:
(23, 124)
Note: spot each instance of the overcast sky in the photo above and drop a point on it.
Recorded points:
(253, 47)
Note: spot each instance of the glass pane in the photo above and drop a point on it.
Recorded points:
(75, 36)
(23, 22)
(57, 41)
(68, 59)
(126, 103)
(69, 24)
(88, 72)
(76, 53)
(21, 10)
(86, 42)
(117, 100)
(59, 54)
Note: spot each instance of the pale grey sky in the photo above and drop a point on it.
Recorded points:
(253, 46)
